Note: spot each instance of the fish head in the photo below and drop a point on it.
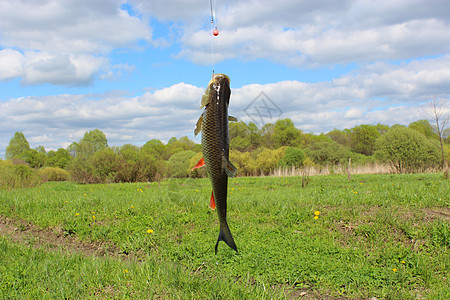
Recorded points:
(214, 84)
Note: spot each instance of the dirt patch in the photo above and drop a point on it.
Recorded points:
(442, 213)
(53, 239)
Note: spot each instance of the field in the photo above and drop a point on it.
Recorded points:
(382, 236)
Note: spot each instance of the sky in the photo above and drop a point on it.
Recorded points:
(137, 69)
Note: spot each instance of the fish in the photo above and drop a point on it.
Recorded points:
(213, 123)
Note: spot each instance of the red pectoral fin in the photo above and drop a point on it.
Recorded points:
(212, 203)
(201, 163)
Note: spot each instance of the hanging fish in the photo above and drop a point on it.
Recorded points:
(215, 147)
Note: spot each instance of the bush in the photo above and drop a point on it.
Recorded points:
(267, 160)
(323, 152)
(81, 171)
(293, 156)
(135, 165)
(178, 164)
(17, 176)
(106, 164)
(407, 151)
(244, 162)
(54, 174)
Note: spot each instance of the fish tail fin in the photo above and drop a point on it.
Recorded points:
(225, 235)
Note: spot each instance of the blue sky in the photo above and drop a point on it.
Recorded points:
(137, 69)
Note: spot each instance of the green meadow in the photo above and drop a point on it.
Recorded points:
(382, 236)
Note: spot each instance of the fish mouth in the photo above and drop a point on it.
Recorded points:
(220, 76)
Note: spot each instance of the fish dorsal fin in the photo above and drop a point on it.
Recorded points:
(212, 203)
(198, 126)
(232, 119)
(230, 170)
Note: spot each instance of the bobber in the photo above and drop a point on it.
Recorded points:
(215, 32)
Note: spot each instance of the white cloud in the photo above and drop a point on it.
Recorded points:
(11, 64)
(376, 94)
(310, 34)
(64, 42)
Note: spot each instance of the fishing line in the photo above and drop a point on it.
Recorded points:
(212, 5)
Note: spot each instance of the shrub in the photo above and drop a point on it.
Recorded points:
(407, 151)
(324, 152)
(54, 174)
(81, 171)
(17, 176)
(178, 164)
(267, 160)
(293, 156)
(244, 162)
(135, 165)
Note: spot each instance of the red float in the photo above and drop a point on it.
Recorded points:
(215, 32)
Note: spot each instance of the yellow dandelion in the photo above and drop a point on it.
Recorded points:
(316, 217)
(84, 194)
(65, 201)
(93, 212)
(355, 192)
(394, 270)
(232, 189)
(150, 231)
(132, 206)
(317, 213)
(193, 203)
(403, 262)
(93, 217)
(125, 271)
(77, 214)
(196, 191)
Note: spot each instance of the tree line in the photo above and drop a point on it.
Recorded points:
(254, 151)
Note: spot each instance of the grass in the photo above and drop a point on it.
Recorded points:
(383, 236)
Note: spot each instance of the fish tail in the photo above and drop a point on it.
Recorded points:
(225, 235)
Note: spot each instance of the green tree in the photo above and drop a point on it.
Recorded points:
(155, 148)
(96, 138)
(293, 156)
(244, 137)
(424, 127)
(41, 149)
(285, 134)
(91, 142)
(267, 136)
(175, 145)
(382, 129)
(342, 137)
(363, 139)
(34, 158)
(17, 145)
(407, 150)
(59, 158)
(325, 151)
(239, 137)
